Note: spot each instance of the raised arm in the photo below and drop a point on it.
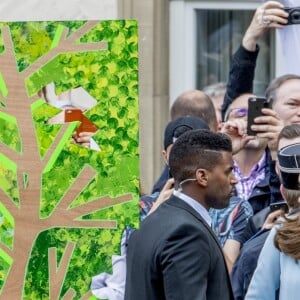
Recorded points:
(241, 76)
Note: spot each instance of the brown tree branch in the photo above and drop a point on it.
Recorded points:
(86, 27)
(10, 153)
(67, 44)
(20, 181)
(62, 216)
(96, 205)
(51, 150)
(7, 58)
(57, 273)
(69, 295)
(9, 204)
(87, 296)
(11, 76)
(8, 53)
(67, 222)
(84, 177)
(7, 250)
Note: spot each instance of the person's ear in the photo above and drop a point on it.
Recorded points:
(165, 156)
(282, 192)
(202, 177)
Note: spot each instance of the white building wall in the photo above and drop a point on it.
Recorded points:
(39, 10)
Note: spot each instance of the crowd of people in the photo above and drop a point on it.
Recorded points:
(208, 228)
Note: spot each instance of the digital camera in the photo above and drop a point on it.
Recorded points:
(294, 15)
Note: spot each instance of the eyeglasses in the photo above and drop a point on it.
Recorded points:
(236, 113)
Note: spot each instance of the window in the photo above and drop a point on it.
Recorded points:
(219, 34)
(203, 37)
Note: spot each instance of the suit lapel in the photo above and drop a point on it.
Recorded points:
(175, 201)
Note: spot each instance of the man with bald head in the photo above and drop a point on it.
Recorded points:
(195, 103)
(190, 103)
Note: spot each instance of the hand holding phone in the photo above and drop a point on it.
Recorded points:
(255, 105)
(86, 125)
(279, 205)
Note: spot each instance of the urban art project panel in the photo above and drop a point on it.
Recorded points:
(69, 173)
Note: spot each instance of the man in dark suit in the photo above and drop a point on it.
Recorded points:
(175, 254)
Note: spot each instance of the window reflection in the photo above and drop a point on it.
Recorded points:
(219, 34)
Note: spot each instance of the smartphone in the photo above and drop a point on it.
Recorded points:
(255, 105)
(72, 115)
(86, 125)
(279, 205)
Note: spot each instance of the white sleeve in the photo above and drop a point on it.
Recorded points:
(111, 286)
(94, 145)
(290, 44)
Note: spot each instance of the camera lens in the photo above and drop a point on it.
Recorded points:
(295, 16)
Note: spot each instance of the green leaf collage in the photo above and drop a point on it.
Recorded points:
(111, 77)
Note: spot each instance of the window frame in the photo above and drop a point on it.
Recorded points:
(183, 60)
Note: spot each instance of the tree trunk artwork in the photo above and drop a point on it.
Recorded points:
(64, 205)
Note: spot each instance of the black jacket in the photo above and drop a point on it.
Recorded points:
(241, 75)
(175, 255)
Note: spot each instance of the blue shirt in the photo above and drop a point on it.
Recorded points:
(230, 222)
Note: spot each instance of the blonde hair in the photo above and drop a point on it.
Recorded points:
(287, 238)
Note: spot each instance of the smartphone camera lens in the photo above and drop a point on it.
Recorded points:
(266, 105)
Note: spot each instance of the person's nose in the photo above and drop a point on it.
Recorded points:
(233, 180)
